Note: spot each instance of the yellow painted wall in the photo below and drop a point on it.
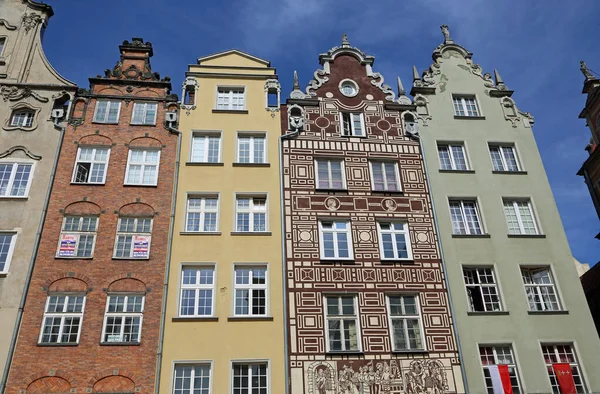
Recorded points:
(226, 340)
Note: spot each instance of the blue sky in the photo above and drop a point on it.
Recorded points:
(536, 47)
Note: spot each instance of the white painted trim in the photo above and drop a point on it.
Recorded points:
(197, 265)
(145, 150)
(13, 172)
(405, 231)
(11, 249)
(420, 318)
(328, 160)
(326, 325)
(92, 162)
(206, 133)
(251, 134)
(189, 195)
(250, 286)
(348, 231)
(250, 361)
(251, 195)
(174, 363)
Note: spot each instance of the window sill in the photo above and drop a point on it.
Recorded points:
(396, 261)
(410, 351)
(86, 184)
(353, 136)
(526, 235)
(95, 122)
(200, 233)
(3, 274)
(563, 312)
(119, 343)
(342, 352)
(457, 171)
(135, 185)
(325, 260)
(203, 164)
(230, 111)
(510, 172)
(387, 192)
(51, 344)
(15, 198)
(142, 124)
(251, 164)
(194, 318)
(331, 190)
(131, 258)
(493, 313)
(469, 117)
(250, 318)
(253, 233)
(73, 258)
(471, 236)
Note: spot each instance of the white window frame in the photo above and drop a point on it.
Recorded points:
(197, 287)
(11, 249)
(355, 317)
(350, 131)
(249, 364)
(347, 231)
(394, 232)
(252, 156)
(229, 90)
(453, 166)
(251, 212)
(478, 273)
(576, 364)
(463, 104)
(383, 163)
(538, 286)
(26, 121)
(3, 42)
(468, 230)
(133, 235)
(13, 173)
(206, 135)
(501, 147)
(418, 316)
(202, 211)
(143, 165)
(78, 233)
(192, 364)
(514, 363)
(124, 314)
(251, 288)
(110, 103)
(515, 206)
(92, 163)
(62, 316)
(144, 112)
(329, 176)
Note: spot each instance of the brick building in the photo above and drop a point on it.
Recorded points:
(368, 308)
(92, 313)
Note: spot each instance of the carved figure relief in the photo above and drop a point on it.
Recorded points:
(296, 117)
(13, 93)
(30, 21)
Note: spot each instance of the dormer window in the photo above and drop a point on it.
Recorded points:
(348, 87)
(353, 125)
(22, 118)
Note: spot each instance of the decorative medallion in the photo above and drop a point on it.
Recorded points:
(348, 87)
(332, 203)
(384, 125)
(322, 122)
(369, 97)
(304, 236)
(389, 205)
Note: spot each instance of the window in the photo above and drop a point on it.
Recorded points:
(2, 43)
(465, 106)
(330, 174)
(107, 111)
(494, 356)
(133, 238)
(123, 319)
(191, 379)
(452, 157)
(540, 290)
(15, 179)
(22, 118)
(62, 319)
(251, 149)
(250, 291)
(250, 378)
(231, 99)
(336, 242)
(190, 95)
(348, 88)
(504, 158)
(405, 322)
(91, 164)
(562, 354)
(394, 241)
(78, 236)
(482, 289)
(197, 291)
(519, 217)
(142, 167)
(465, 217)
(353, 125)
(202, 214)
(206, 148)
(251, 214)
(144, 113)
(7, 245)
(341, 317)
(385, 176)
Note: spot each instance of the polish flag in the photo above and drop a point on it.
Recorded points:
(500, 379)
(565, 378)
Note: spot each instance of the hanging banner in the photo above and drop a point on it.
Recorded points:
(68, 243)
(500, 379)
(565, 378)
(141, 246)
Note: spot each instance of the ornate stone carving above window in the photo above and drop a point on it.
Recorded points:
(13, 93)
(272, 96)
(30, 21)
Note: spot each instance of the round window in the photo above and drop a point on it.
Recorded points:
(348, 88)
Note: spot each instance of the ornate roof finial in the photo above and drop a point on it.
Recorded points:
(296, 83)
(499, 82)
(585, 71)
(446, 33)
(345, 40)
(401, 90)
(416, 76)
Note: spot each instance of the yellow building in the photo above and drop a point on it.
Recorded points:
(224, 322)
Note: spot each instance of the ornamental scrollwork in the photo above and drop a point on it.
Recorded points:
(13, 93)
(386, 89)
(4, 22)
(319, 78)
(30, 21)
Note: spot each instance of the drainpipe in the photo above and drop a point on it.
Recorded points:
(284, 262)
(36, 245)
(439, 243)
(167, 265)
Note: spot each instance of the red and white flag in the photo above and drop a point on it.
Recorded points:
(500, 379)
(565, 378)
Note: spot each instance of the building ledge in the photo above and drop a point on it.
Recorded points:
(199, 233)
(54, 344)
(526, 235)
(120, 343)
(202, 164)
(250, 318)
(397, 261)
(3, 274)
(253, 233)
(469, 117)
(194, 318)
(344, 352)
(384, 192)
(493, 313)
(331, 190)
(251, 164)
(471, 236)
(510, 172)
(563, 312)
(230, 111)
(14, 198)
(457, 171)
(410, 351)
(332, 261)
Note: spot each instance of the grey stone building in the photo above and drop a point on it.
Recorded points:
(34, 102)
(515, 292)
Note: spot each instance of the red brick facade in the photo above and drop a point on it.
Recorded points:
(91, 365)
